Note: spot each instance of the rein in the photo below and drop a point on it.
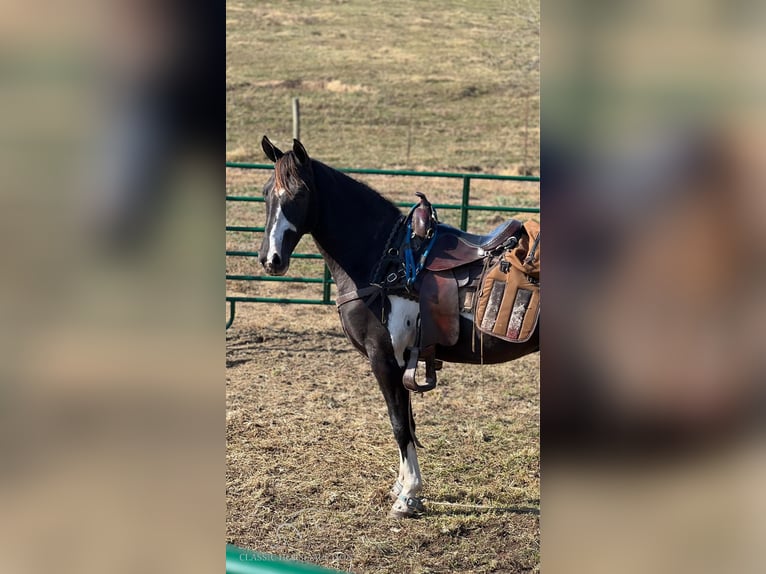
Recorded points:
(390, 254)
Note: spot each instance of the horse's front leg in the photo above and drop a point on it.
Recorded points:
(409, 483)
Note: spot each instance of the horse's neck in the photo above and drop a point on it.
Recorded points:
(352, 226)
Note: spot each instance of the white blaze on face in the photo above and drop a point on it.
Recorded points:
(278, 228)
(402, 325)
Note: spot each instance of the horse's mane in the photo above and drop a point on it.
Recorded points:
(353, 185)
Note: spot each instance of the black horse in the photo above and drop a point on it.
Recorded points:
(352, 225)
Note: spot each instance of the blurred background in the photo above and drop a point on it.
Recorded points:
(111, 362)
(652, 365)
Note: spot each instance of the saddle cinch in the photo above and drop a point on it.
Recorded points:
(496, 277)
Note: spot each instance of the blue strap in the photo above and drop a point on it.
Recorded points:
(409, 261)
(415, 271)
(411, 271)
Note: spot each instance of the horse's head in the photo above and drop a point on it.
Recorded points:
(288, 205)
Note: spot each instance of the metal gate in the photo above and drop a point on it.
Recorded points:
(326, 280)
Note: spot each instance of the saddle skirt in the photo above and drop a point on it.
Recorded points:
(508, 301)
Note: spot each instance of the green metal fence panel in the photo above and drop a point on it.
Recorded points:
(404, 172)
(326, 281)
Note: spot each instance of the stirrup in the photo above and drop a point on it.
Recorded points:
(410, 371)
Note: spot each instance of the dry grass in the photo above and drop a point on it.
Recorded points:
(310, 454)
(461, 78)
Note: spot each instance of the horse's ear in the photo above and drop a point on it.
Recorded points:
(300, 151)
(272, 152)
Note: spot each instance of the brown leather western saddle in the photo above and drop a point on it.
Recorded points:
(447, 271)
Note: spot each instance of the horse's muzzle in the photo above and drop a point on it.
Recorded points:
(274, 265)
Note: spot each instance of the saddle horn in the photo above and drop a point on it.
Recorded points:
(423, 217)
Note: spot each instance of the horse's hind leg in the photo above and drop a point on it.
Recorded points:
(409, 484)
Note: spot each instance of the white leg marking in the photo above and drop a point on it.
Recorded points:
(402, 322)
(277, 233)
(409, 470)
(412, 484)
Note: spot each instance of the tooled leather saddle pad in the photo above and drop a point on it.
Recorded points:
(508, 299)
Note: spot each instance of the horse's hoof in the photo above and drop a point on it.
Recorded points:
(399, 514)
(406, 507)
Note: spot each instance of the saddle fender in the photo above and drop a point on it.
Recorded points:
(439, 309)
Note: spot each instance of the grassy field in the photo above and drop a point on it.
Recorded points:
(459, 80)
(425, 85)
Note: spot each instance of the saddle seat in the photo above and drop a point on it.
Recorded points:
(453, 247)
(494, 238)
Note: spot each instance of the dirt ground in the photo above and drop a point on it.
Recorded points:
(311, 456)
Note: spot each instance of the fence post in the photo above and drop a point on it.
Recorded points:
(464, 203)
(296, 119)
(231, 314)
(326, 286)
